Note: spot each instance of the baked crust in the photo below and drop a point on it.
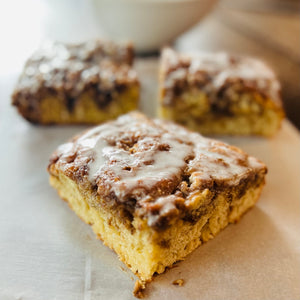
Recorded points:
(153, 169)
(205, 91)
(67, 76)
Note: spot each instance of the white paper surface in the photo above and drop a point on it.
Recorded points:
(47, 252)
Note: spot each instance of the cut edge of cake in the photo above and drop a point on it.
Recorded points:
(145, 251)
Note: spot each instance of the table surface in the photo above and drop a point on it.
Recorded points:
(47, 252)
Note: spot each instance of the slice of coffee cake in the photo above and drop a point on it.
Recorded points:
(152, 190)
(218, 93)
(84, 83)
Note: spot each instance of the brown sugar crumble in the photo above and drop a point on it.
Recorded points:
(139, 289)
(178, 282)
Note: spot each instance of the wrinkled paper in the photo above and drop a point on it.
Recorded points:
(47, 252)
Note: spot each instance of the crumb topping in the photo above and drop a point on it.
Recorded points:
(68, 70)
(214, 73)
(139, 289)
(153, 167)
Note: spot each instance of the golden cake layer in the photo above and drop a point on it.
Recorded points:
(152, 190)
(85, 83)
(218, 93)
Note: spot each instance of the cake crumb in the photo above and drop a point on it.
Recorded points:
(123, 269)
(139, 288)
(179, 282)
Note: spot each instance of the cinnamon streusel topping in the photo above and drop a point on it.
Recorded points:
(152, 167)
(66, 71)
(214, 73)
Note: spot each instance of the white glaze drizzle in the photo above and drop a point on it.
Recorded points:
(213, 159)
(164, 165)
(145, 164)
(156, 159)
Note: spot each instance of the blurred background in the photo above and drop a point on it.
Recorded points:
(269, 29)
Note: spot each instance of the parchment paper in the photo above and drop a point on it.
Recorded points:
(47, 252)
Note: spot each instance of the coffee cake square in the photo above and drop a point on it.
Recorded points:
(86, 83)
(219, 93)
(154, 191)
